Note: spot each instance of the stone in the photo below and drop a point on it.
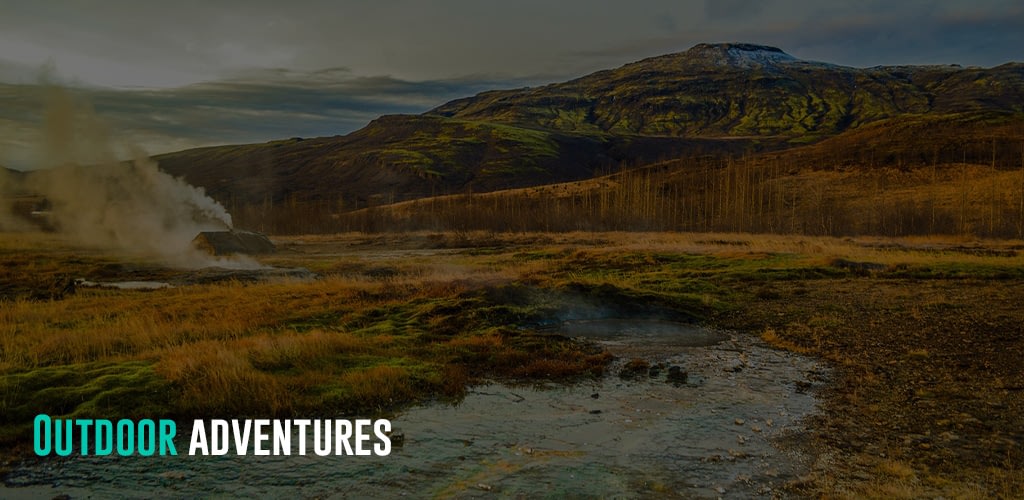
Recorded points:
(676, 375)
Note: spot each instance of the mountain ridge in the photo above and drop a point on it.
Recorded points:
(712, 101)
(714, 90)
(722, 99)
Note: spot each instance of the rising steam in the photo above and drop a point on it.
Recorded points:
(99, 200)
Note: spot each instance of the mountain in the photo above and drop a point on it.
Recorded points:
(393, 157)
(402, 157)
(713, 100)
(741, 90)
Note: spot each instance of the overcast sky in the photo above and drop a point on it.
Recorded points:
(176, 74)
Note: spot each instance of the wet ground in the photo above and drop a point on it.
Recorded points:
(203, 276)
(695, 413)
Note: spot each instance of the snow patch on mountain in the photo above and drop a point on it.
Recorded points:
(742, 55)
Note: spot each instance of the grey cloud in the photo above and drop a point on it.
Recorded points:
(938, 38)
(733, 9)
(917, 32)
(272, 70)
(166, 44)
(411, 40)
(252, 108)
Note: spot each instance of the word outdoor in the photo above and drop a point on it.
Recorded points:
(260, 437)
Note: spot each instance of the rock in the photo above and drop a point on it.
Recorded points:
(595, 412)
(595, 395)
(484, 487)
(634, 368)
(676, 375)
(397, 439)
(739, 421)
(735, 366)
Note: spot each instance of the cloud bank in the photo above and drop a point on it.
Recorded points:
(190, 73)
(256, 106)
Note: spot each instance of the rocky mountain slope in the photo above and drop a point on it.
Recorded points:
(741, 90)
(721, 100)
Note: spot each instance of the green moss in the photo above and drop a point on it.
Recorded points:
(123, 390)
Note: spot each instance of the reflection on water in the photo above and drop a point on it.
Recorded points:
(713, 436)
(123, 285)
(629, 336)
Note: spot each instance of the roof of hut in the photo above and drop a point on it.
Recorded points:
(233, 242)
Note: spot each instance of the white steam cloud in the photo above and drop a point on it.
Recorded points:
(98, 200)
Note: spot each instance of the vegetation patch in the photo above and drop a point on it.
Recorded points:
(130, 389)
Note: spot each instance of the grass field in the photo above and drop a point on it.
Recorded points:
(924, 334)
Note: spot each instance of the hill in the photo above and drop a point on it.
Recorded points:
(742, 90)
(403, 157)
(912, 175)
(723, 100)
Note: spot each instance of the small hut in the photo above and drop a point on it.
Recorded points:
(233, 242)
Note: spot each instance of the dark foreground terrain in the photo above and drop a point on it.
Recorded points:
(926, 399)
(923, 337)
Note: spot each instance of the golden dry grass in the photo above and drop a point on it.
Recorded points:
(103, 323)
(97, 324)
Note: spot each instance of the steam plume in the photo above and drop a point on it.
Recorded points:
(98, 200)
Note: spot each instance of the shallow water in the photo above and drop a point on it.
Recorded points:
(654, 336)
(715, 435)
(124, 285)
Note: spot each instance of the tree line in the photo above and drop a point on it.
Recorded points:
(816, 195)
